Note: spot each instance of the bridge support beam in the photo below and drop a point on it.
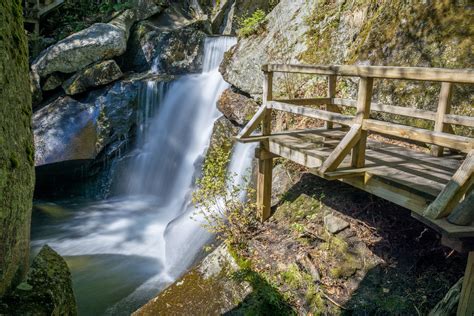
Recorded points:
(265, 166)
(466, 301)
(264, 187)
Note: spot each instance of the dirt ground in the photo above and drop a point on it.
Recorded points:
(383, 263)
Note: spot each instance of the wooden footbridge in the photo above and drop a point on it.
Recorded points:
(436, 186)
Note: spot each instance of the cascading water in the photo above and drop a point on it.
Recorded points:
(123, 250)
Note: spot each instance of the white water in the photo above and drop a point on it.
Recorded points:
(150, 222)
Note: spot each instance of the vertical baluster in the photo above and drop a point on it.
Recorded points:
(444, 107)
(331, 94)
(363, 111)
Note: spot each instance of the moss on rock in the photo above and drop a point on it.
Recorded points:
(16, 146)
(46, 291)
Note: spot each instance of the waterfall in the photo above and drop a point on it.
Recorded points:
(146, 230)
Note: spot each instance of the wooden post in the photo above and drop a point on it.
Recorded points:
(364, 97)
(331, 94)
(453, 190)
(265, 166)
(463, 214)
(466, 302)
(444, 107)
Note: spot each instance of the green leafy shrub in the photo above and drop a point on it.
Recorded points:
(224, 207)
(252, 24)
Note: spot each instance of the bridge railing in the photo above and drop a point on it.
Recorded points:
(360, 124)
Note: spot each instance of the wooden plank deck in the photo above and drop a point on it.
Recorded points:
(432, 185)
(389, 169)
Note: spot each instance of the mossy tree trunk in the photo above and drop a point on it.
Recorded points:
(16, 146)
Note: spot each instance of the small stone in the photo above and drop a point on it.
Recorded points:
(334, 224)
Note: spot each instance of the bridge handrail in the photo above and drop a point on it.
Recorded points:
(360, 124)
(381, 72)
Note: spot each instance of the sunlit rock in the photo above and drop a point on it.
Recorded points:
(93, 76)
(237, 107)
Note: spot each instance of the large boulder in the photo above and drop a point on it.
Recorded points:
(46, 291)
(93, 76)
(100, 41)
(236, 107)
(65, 130)
(170, 44)
(283, 41)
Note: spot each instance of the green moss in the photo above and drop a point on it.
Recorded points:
(398, 33)
(303, 207)
(14, 163)
(16, 168)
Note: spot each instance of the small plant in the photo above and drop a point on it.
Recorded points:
(224, 205)
(252, 24)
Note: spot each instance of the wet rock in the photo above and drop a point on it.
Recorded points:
(172, 44)
(237, 107)
(65, 130)
(47, 289)
(208, 289)
(93, 76)
(334, 224)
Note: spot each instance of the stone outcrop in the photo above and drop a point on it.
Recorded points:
(283, 41)
(345, 32)
(67, 129)
(208, 289)
(46, 291)
(236, 107)
(171, 44)
(226, 14)
(100, 41)
(16, 147)
(93, 76)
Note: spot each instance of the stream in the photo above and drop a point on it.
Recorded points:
(123, 250)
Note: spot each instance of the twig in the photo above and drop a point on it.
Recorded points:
(333, 301)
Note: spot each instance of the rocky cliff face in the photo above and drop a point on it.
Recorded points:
(16, 147)
(398, 33)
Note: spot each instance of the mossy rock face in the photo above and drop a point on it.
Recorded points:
(16, 146)
(208, 289)
(47, 289)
